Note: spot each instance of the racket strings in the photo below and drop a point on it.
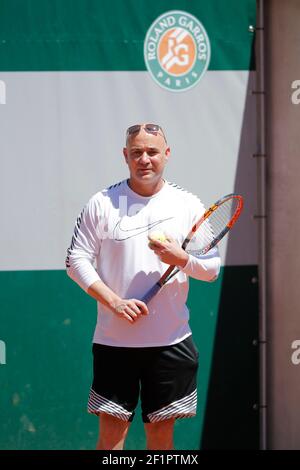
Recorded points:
(212, 227)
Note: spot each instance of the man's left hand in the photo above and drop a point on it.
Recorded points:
(169, 251)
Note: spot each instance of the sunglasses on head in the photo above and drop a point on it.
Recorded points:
(150, 128)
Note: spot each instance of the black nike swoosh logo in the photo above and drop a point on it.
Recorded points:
(137, 230)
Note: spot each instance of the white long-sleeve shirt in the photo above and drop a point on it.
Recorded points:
(112, 232)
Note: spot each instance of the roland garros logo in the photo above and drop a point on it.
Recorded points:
(177, 50)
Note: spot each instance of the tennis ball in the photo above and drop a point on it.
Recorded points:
(157, 235)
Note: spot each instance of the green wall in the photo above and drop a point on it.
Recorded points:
(47, 323)
(109, 34)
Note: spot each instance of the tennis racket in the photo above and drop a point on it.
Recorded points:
(204, 235)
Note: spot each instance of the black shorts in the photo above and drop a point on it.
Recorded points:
(164, 377)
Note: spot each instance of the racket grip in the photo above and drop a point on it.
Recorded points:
(151, 293)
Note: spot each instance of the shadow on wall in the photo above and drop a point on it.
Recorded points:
(231, 418)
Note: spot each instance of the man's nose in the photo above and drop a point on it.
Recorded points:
(144, 158)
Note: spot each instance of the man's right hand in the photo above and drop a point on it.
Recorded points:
(130, 309)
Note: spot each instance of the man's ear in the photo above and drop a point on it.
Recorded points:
(125, 153)
(167, 153)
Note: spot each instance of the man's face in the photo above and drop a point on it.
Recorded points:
(146, 156)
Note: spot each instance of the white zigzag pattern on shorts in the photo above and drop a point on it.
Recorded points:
(182, 408)
(97, 403)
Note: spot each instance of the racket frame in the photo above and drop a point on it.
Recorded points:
(173, 269)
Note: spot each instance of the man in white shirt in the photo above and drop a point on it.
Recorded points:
(138, 348)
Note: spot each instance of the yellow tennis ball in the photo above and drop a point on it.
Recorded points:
(157, 235)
